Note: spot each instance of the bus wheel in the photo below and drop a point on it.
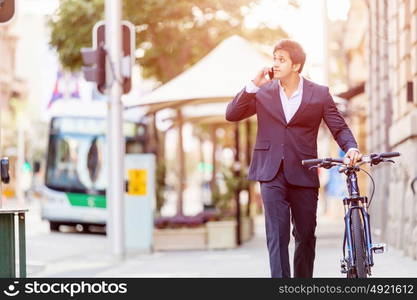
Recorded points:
(54, 226)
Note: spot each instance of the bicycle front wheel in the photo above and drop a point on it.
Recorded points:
(359, 243)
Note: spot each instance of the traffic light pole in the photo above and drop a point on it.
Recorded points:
(115, 143)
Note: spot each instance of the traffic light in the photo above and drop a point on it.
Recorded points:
(128, 44)
(95, 58)
(7, 9)
(94, 68)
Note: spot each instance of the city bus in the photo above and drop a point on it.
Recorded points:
(76, 169)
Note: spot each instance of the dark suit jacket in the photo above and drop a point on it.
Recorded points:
(276, 140)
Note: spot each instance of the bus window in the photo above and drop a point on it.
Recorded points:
(75, 163)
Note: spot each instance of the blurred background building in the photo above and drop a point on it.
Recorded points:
(392, 115)
(13, 91)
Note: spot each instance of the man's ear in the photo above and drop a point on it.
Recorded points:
(296, 67)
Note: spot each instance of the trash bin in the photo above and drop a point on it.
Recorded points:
(12, 243)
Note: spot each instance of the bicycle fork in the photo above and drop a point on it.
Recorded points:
(348, 263)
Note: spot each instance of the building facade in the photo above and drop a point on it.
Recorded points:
(12, 91)
(9, 85)
(392, 118)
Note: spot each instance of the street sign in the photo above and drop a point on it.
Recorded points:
(137, 179)
(7, 10)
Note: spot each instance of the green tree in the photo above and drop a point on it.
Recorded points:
(71, 27)
(170, 35)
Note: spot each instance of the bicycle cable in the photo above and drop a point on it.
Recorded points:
(373, 187)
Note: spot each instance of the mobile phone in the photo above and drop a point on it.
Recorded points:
(271, 73)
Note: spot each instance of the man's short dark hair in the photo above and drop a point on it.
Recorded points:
(295, 50)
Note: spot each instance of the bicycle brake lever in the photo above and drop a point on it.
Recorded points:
(376, 162)
(312, 167)
(326, 165)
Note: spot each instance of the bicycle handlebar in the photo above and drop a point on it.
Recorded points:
(372, 158)
(308, 162)
(388, 154)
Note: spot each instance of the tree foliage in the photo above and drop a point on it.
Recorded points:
(71, 28)
(170, 35)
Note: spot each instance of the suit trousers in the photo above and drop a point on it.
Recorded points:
(284, 202)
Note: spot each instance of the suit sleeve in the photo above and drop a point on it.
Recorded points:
(242, 106)
(337, 125)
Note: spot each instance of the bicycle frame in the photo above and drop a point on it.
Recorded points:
(355, 201)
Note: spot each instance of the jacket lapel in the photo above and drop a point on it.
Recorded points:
(276, 106)
(307, 93)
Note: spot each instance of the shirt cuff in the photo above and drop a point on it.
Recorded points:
(251, 87)
(353, 149)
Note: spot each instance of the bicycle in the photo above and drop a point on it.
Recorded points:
(357, 237)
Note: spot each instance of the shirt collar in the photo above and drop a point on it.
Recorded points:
(299, 89)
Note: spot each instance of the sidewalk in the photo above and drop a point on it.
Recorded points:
(54, 255)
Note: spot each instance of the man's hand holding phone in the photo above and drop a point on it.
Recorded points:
(264, 76)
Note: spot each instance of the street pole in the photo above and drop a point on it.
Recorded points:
(326, 57)
(20, 197)
(115, 142)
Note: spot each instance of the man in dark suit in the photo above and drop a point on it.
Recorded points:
(289, 109)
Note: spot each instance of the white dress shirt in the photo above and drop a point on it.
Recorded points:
(289, 105)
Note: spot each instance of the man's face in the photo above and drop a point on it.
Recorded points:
(283, 65)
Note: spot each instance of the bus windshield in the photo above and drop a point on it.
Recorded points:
(77, 153)
(76, 163)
